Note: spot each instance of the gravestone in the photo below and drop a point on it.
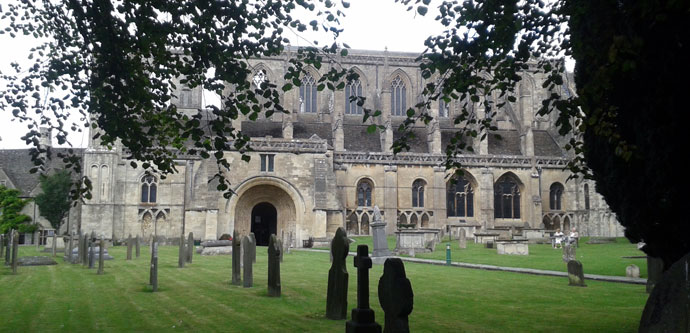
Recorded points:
(668, 306)
(568, 252)
(655, 270)
(396, 296)
(576, 275)
(137, 247)
(54, 243)
(280, 245)
(79, 249)
(252, 250)
(190, 247)
(71, 246)
(378, 230)
(336, 299)
(462, 239)
(129, 247)
(236, 264)
(632, 271)
(101, 256)
(274, 251)
(8, 248)
(153, 279)
(66, 245)
(15, 249)
(91, 254)
(248, 277)
(2, 245)
(363, 317)
(181, 254)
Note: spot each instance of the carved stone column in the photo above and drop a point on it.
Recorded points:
(486, 188)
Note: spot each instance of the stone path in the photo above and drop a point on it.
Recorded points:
(595, 277)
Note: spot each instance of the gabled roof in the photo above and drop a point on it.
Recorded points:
(16, 164)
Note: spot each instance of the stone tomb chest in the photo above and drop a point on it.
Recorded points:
(512, 246)
(416, 240)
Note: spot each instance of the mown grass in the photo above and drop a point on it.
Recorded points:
(199, 297)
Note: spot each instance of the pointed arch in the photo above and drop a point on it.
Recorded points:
(555, 196)
(460, 195)
(425, 220)
(364, 225)
(507, 196)
(414, 219)
(365, 190)
(418, 187)
(259, 68)
(401, 89)
(149, 188)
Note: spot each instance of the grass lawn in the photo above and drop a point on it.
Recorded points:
(199, 297)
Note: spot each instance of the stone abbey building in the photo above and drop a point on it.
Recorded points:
(317, 168)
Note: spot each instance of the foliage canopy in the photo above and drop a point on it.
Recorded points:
(11, 217)
(54, 201)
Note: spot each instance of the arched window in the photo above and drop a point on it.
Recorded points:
(418, 193)
(364, 189)
(148, 189)
(353, 89)
(443, 108)
(105, 182)
(459, 198)
(555, 196)
(507, 198)
(586, 196)
(398, 96)
(307, 94)
(259, 78)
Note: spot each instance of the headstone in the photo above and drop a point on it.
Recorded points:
(91, 254)
(632, 271)
(15, 249)
(190, 247)
(336, 299)
(236, 264)
(129, 247)
(655, 270)
(462, 239)
(396, 296)
(137, 246)
(378, 231)
(2, 245)
(71, 246)
(252, 250)
(248, 277)
(274, 251)
(668, 306)
(8, 247)
(154, 268)
(181, 254)
(54, 243)
(280, 245)
(101, 256)
(568, 252)
(85, 250)
(80, 251)
(362, 316)
(575, 274)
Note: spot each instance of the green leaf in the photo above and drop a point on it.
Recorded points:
(371, 128)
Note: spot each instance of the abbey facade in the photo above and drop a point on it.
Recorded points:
(317, 168)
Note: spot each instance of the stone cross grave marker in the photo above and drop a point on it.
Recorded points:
(190, 247)
(129, 247)
(137, 247)
(575, 274)
(181, 254)
(632, 271)
(336, 299)
(362, 316)
(15, 249)
(462, 239)
(274, 251)
(396, 296)
(236, 260)
(248, 277)
(101, 256)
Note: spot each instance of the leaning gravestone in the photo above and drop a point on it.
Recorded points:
(137, 247)
(462, 239)
(129, 247)
(236, 265)
(101, 256)
(363, 317)
(655, 270)
(15, 249)
(668, 306)
(336, 299)
(252, 250)
(248, 276)
(190, 247)
(632, 271)
(274, 251)
(575, 274)
(396, 296)
(181, 254)
(378, 229)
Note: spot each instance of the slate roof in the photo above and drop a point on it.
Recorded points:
(302, 130)
(357, 138)
(418, 144)
(448, 134)
(507, 144)
(262, 128)
(17, 162)
(545, 145)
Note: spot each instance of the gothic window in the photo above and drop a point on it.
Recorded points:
(364, 229)
(307, 94)
(259, 78)
(364, 189)
(555, 196)
(418, 193)
(353, 89)
(148, 189)
(443, 108)
(460, 198)
(507, 198)
(267, 162)
(398, 96)
(105, 181)
(586, 190)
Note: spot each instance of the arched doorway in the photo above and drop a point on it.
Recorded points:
(264, 222)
